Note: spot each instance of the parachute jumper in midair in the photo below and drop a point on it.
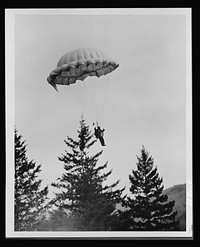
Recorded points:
(79, 64)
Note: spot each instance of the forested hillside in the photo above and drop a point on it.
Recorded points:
(178, 193)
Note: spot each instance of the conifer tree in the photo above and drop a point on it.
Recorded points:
(30, 201)
(85, 202)
(148, 209)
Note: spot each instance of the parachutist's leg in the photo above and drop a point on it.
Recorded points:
(102, 141)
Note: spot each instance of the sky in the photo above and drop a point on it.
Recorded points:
(142, 102)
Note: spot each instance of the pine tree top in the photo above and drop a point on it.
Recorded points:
(82, 187)
(30, 200)
(149, 208)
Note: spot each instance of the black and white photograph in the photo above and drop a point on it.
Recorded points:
(98, 123)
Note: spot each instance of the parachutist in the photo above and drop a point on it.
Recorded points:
(99, 133)
(77, 65)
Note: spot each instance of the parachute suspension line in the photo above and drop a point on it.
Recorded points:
(84, 94)
(97, 93)
(93, 88)
(79, 64)
(99, 98)
(89, 87)
(93, 101)
(72, 94)
(78, 96)
(104, 98)
(108, 98)
(95, 110)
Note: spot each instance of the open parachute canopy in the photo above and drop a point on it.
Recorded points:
(79, 64)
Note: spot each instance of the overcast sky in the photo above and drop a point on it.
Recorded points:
(143, 102)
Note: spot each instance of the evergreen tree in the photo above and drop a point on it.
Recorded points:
(29, 204)
(148, 209)
(84, 202)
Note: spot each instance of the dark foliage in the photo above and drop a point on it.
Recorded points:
(29, 203)
(148, 209)
(84, 203)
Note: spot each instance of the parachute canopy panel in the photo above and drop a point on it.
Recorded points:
(79, 64)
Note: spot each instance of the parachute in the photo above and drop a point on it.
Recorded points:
(79, 64)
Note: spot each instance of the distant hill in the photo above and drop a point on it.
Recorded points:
(178, 193)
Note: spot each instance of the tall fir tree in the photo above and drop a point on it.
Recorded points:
(148, 209)
(30, 201)
(85, 203)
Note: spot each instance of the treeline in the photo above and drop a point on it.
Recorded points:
(84, 201)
